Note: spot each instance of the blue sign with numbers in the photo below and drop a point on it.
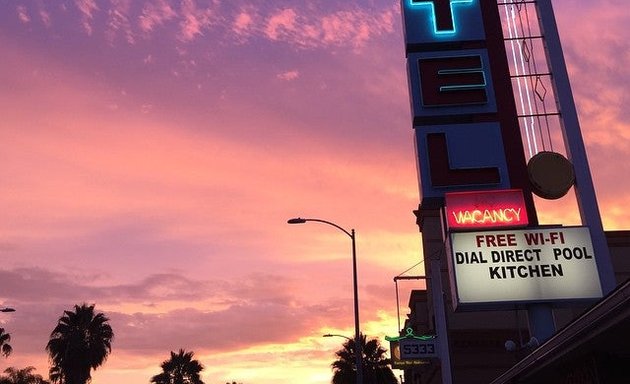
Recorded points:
(418, 349)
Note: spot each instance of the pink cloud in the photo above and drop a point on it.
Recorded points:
(243, 23)
(214, 307)
(118, 21)
(282, 23)
(289, 75)
(297, 26)
(597, 54)
(194, 20)
(45, 17)
(347, 27)
(23, 14)
(87, 8)
(155, 14)
(355, 27)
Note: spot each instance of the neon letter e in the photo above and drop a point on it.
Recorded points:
(457, 80)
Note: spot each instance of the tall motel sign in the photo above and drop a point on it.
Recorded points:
(485, 113)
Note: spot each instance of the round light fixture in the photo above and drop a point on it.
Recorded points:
(551, 175)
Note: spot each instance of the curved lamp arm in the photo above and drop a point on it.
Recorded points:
(300, 220)
(334, 334)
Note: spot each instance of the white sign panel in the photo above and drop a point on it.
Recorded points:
(524, 265)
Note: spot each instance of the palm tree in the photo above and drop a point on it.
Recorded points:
(181, 368)
(5, 347)
(80, 342)
(375, 368)
(55, 375)
(21, 376)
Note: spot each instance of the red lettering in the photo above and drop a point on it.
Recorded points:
(500, 240)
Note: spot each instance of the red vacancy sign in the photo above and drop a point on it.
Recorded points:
(486, 209)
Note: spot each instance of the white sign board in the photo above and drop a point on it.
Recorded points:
(523, 265)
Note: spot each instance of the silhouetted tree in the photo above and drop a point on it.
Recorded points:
(181, 368)
(375, 368)
(5, 347)
(80, 342)
(55, 375)
(22, 376)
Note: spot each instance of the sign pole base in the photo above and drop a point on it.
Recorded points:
(541, 322)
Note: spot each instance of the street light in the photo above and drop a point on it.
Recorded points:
(357, 333)
(334, 334)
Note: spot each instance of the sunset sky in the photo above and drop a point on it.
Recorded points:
(151, 153)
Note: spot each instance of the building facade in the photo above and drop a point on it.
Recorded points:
(590, 346)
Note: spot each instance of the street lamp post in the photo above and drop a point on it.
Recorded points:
(334, 334)
(357, 332)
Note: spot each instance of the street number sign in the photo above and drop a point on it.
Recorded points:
(415, 348)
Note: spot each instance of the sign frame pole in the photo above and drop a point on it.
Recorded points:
(584, 189)
(433, 238)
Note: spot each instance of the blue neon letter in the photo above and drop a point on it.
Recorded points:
(442, 13)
